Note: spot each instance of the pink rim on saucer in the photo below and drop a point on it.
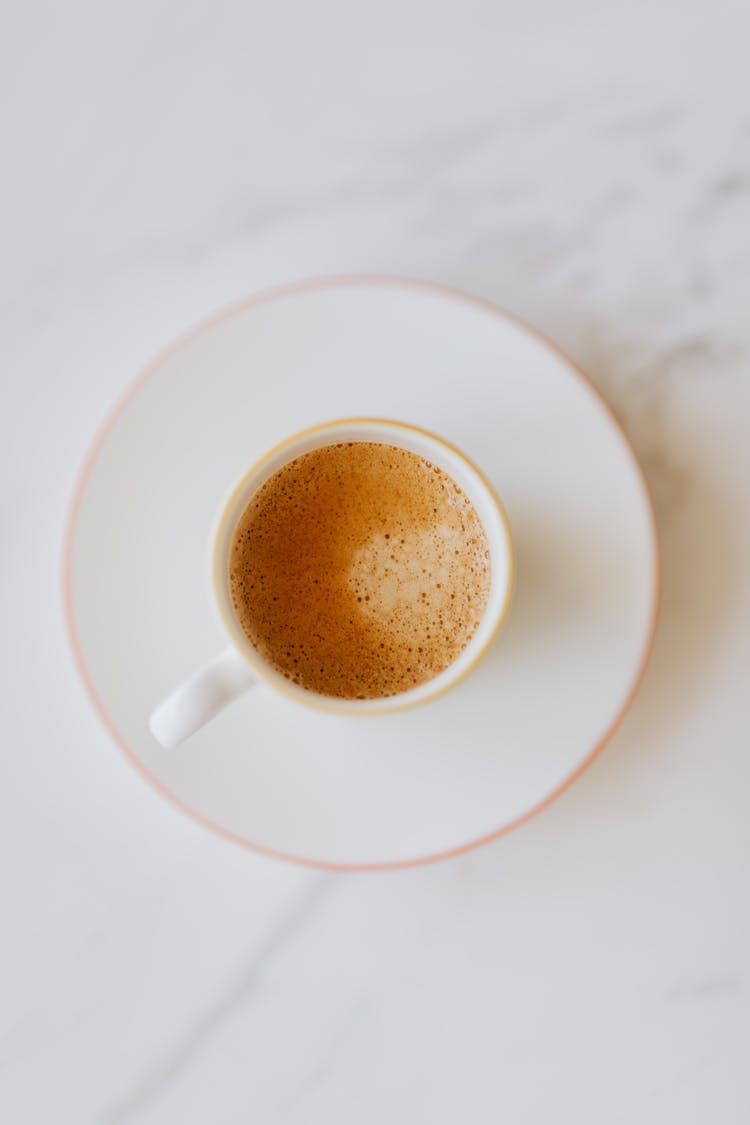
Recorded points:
(277, 293)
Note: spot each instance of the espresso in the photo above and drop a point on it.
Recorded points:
(359, 570)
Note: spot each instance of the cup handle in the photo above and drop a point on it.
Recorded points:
(200, 698)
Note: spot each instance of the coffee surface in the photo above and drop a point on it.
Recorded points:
(359, 570)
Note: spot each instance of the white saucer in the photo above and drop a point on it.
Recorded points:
(395, 789)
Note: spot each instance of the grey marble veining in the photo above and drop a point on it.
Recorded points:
(290, 926)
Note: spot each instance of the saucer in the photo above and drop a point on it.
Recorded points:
(403, 788)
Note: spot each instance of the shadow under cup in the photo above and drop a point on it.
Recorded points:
(414, 440)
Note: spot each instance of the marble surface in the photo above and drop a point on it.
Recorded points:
(587, 167)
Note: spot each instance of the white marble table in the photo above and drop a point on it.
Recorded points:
(588, 168)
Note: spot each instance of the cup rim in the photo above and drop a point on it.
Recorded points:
(381, 705)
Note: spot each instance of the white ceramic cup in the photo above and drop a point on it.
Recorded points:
(239, 666)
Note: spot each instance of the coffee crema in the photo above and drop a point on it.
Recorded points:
(359, 570)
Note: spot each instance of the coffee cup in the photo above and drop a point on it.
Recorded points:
(360, 566)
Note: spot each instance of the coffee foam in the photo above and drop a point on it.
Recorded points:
(359, 570)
